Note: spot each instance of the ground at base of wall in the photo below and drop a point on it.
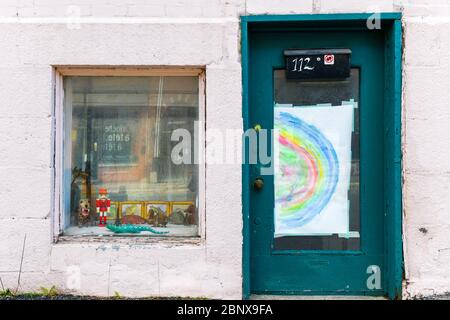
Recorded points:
(306, 297)
(53, 294)
(34, 296)
(445, 296)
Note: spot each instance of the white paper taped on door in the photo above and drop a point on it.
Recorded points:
(312, 157)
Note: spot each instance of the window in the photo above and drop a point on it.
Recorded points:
(119, 175)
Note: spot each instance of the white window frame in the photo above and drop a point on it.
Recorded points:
(59, 72)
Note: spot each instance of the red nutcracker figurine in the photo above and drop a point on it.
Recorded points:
(103, 204)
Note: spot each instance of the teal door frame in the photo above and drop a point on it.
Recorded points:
(391, 26)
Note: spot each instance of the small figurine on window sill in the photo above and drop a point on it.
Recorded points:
(103, 204)
(157, 217)
(183, 217)
(84, 212)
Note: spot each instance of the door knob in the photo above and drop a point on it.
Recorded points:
(258, 184)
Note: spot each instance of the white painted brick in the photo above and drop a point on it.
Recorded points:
(25, 192)
(130, 282)
(33, 281)
(427, 288)
(279, 7)
(212, 8)
(58, 11)
(159, 2)
(424, 11)
(422, 44)
(235, 8)
(444, 45)
(152, 271)
(67, 255)
(424, 208)
(17, 3)
(196, 278)
(25, 11)
(425, 95)
(71, 2)
(183, 11)
(146, 11)
(424, 143)
(19, 136)
(344, 6)
(223, 95)
(109, 11)
(427, 256)
(231, 46)
(43, 11)
(8, 11)
(148, 44)
(94, 272)
(424, 2)
(39, 3)
(34, 84)
(36, 255)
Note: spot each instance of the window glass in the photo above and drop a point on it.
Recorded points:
(119, 175)
(318, 101)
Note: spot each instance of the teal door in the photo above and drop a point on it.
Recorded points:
(316, 213)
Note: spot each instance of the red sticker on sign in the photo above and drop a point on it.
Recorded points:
(328, 59)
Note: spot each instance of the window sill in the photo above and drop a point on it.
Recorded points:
(157, 241)
(171, 229)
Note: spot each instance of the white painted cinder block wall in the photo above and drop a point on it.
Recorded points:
(206, 33)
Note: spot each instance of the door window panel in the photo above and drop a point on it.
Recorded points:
(307, 195)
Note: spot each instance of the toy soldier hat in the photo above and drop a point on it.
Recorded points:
(102, 191)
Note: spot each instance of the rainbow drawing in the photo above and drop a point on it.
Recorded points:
(308, 171)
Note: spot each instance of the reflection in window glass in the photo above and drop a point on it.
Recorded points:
(117, 155)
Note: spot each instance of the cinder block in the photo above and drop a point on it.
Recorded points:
(18, 3)
(94, 278)
(36, 255)
(64, 256)
(26, 141)
(425, 146)
(129, 281)
(344, 6)
(444, 48)
(425, 94)
(426, 260)
(279, 7)
(112, 10)
(25, 192)
(422, 42)
(146, 11)
(39, 3)
(213, 8)
(119, 44)
(33, 281)
(183, 10)
(8, 12)
(426, 201)
(34, 85)
(224, 96)
(235, 8)
(422, 2)
(201, 280)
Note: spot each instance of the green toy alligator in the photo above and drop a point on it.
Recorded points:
(132, 228)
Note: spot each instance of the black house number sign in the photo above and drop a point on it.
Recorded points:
(317, 63)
